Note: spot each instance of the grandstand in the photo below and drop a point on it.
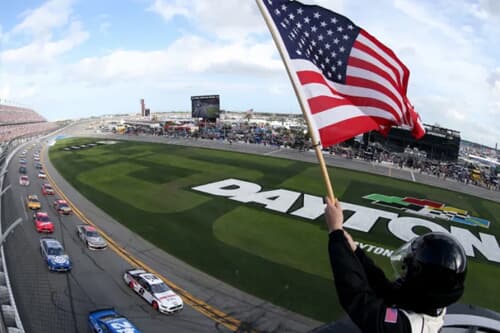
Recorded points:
(438, 143)
(18, 122)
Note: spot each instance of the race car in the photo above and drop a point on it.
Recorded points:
(89, 235)
(38, 165)
(36, 158)
(24, 180)
(47, 189)
(62, 207)
(43, 223)
(22, 161)
(153, 290)
(53, 253)
(33, 202)
(23, 170)
(42, 175)
(108, 320)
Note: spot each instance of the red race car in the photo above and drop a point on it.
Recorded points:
(62, 207)
(47, 189)
(43, 223)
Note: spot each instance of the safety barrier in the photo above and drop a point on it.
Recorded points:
(11, 322)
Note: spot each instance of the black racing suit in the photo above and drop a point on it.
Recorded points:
(363, 290)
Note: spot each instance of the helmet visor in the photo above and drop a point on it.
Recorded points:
(398, 259)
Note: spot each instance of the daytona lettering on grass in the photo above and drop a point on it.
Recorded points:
(375, 249)
(363, 218)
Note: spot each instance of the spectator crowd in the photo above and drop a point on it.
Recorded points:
(16, 115)
(297, 138)
(460, 171)
(18, 122)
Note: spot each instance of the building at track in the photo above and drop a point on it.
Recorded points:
(439, 143)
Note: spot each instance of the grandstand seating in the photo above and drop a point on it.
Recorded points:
(13, 114)
(17, 122)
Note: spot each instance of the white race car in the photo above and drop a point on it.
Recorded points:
(153, 290)
(24, 180)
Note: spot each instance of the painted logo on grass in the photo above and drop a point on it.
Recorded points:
(362, 218)
(428, 208)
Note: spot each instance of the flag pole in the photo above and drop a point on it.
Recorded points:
(298, 94)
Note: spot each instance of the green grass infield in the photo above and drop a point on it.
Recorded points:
(275, 256)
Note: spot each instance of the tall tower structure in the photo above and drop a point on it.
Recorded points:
(143, 108)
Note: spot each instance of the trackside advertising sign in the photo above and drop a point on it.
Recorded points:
(363, 219)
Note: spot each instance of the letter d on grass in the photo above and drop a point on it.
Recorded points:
(229, 188)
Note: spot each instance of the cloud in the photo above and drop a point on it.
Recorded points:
(456, 114)
(169, 10)
(429, 19)
(279, 89)
(448, 58)
(496, 89)
(5, 91)
(188, 55)
(41, 48)
(490, 7)
(224, 47)
(27, 91)
(494, 82)
(104, 27)
(228, 19)
(231, 19)
(44, 51)
(494, 77)
(40, 21)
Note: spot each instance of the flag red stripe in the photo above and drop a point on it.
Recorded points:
(332, 110)
(323, 103)
(364, 48)
(349, 128)
(365, 83)
(388, 51)
(306, 77)
(366, 65)
(400, 87)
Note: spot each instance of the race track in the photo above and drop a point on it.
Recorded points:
(60, 302)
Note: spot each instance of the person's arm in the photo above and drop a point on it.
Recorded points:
(376, 277)
(367, 310)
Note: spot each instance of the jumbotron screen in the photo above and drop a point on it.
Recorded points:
(206, 107)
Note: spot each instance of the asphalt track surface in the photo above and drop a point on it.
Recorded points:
(60, 302)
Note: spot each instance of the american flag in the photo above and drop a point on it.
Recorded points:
(348, 81)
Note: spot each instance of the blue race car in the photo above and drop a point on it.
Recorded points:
(108, 320)
(53, 254)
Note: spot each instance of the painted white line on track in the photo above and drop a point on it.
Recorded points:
(25, 207)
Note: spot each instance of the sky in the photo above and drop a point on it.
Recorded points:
(78, 58)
